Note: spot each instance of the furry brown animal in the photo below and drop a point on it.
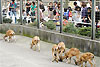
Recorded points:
(55, 51)
(35, 42)
(71, 52)
(61, 47)
(84, 58)
(9, 34)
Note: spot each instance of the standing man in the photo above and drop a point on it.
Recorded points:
(28, 5)
(13, 7)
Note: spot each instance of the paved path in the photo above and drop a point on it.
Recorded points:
(19, 54)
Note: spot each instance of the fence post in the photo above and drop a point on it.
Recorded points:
(21, 9)
(93, 20)
(1, 12)
(38, 14)
(61, 16)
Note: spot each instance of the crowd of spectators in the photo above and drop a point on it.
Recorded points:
(80, 13)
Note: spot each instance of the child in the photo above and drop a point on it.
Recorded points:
(65, 22)
(88, 15)
(66, 12)
(70, 14)
(28, 18)
(24, 13)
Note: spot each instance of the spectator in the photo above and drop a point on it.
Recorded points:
(55, 5)
(56, 16)
(13, 7)
(8, 9)
(96, 8)
(84, 12)
(70, 14)
(97, 18)
(33, 8)
(65, 22)
(78, 3)
(77, 15)
(41, 16)
(28, 19)
(24, 13)
(59, 8)
(28, 4)
(66, 14)
(42, 6)
(50, 9)
(55, 8)
(90, 2)
(89, 15)
(75, 4)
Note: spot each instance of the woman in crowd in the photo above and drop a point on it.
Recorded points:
(50, 10)
(84, 12)
(33, 9)
(77, 15)
(28, 5)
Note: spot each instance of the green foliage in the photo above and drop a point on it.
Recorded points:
(50, 25)
(98, 34)
(70, 28)
(85, 31)
(19, 21)
(33, 24)
(7, 20)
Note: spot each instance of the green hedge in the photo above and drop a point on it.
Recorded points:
(50, 25)
(70, 28)
(7, 20)
(19, 21)
(85, 31)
